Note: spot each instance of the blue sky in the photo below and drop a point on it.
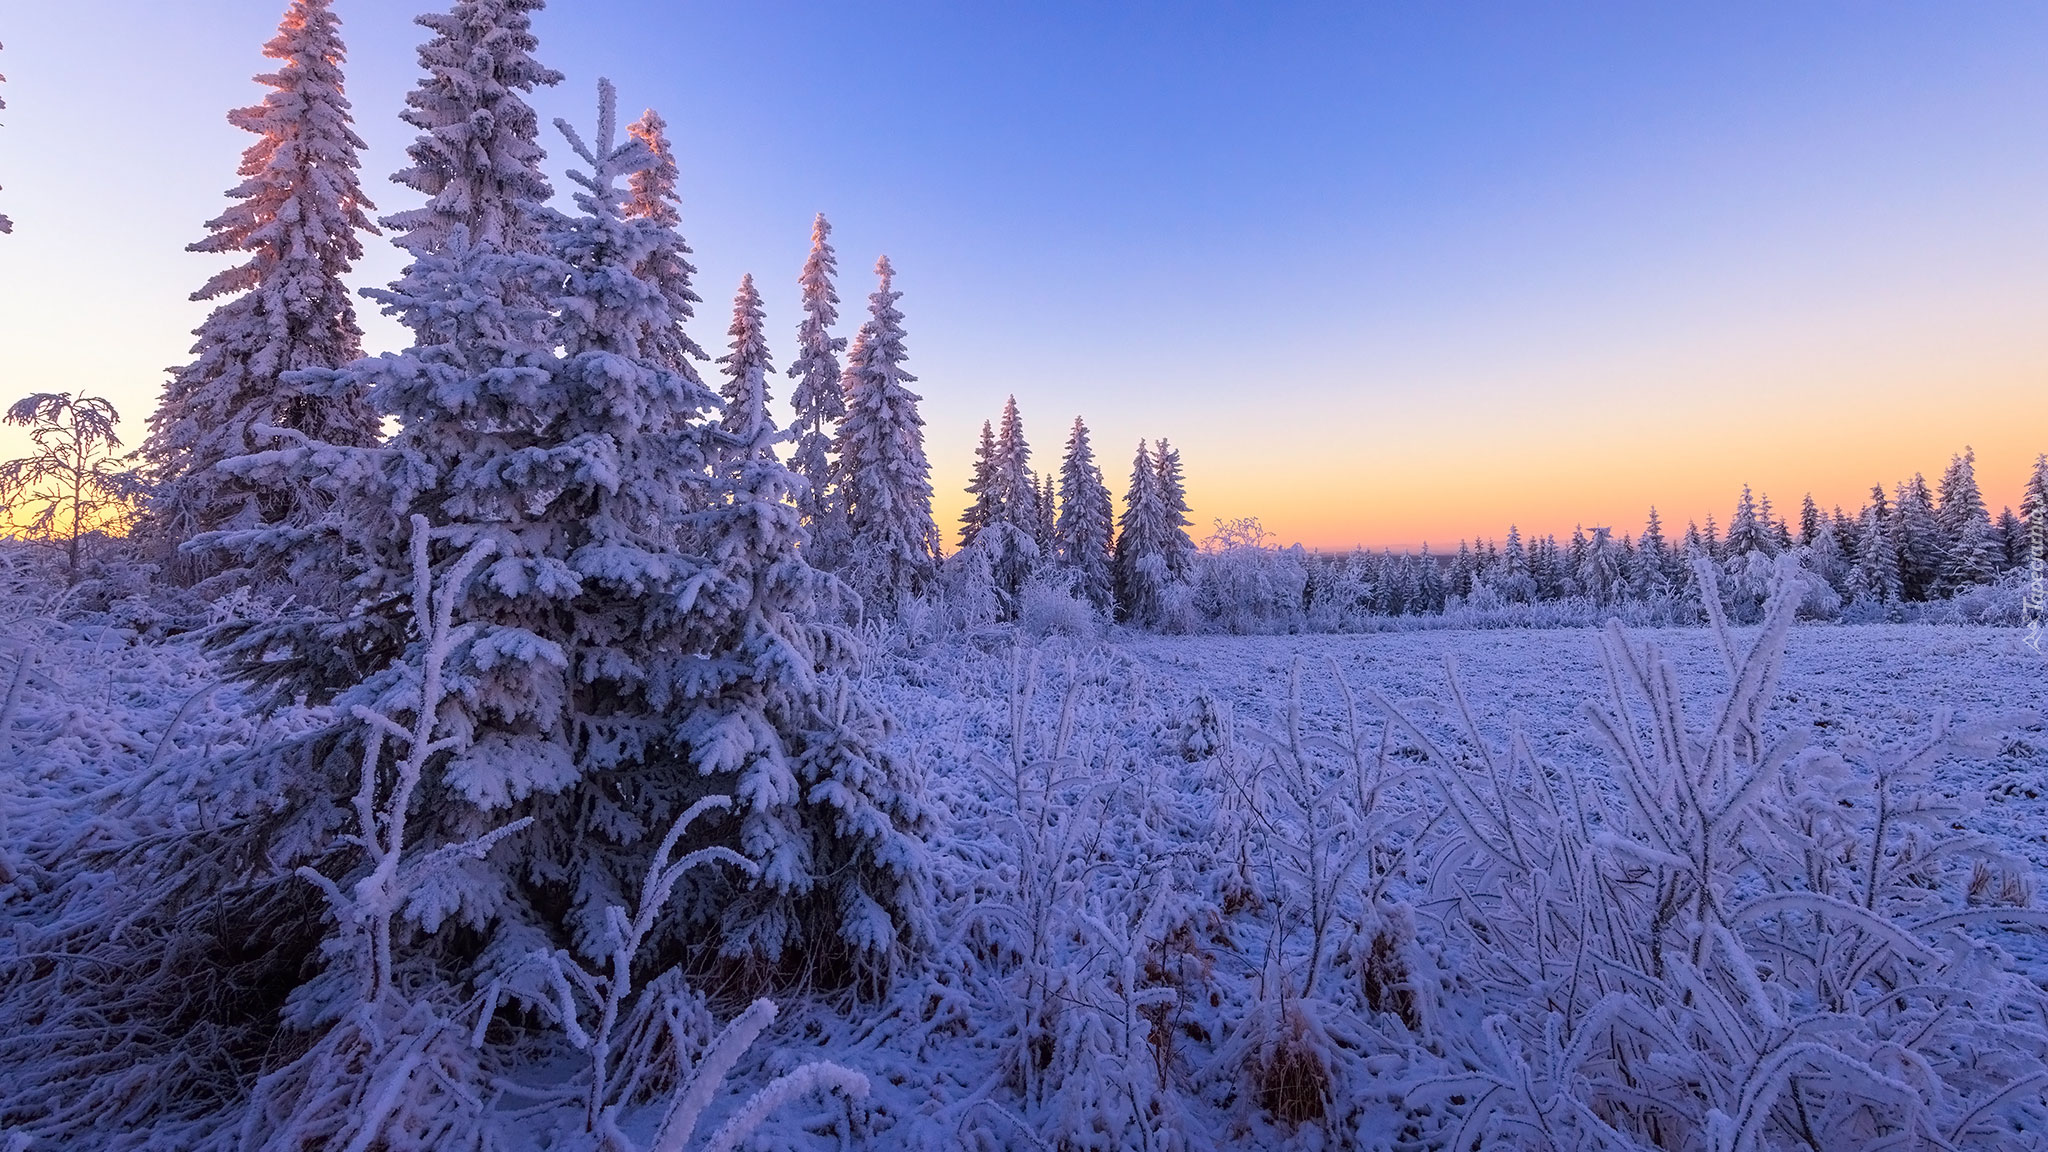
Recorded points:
(1385, 273)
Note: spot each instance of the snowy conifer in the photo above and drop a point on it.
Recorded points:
(643, 632)
(2012, 538)
(822, 811)
(2034, 501)
(1429, 583)
(1809, 519)
(1825, 556)
(745, 390)
(295, 223)
(653, 197)
(1749, 530)
(817, 398)
(1464, 566)
(982, 486)
(1547, 566)
(1654, 561)
(1140, 571)
(1017, 490)
(1600, 575)
(1010, 540)
(1875, 577)
(1047, 534)
(1514, 580)
(1973, 550)
(477, 158)
(1176, 546)
(1086, 520)
(1916, 534)
(881, 478)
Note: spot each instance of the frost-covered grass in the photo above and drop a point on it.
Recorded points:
(1190, 892)
(1199, 898)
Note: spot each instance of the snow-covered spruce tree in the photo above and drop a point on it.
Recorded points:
(477, 158)
(818, 402)
(1139, 570)
(831, 819)
(1748, 531)
(1875, 577)
(1654, 560)
(1046, 533)
(1512, 577)
(2012, 538)
(653, 197)
(1916, 533)
(1087, 521)
(296, 223)
(1176, 546)
(1809, 519)
(1825, 556)
(643, 635)
(2034, 500)
(881, 478)
(745, 390)
(1464, 569)
(982, 486)
(1600, 576)
(1010, 539)
(704, 673)
(1974, 551)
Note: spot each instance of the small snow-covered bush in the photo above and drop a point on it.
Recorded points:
(1051, 609)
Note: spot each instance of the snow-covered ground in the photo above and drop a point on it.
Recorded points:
(1883, 680)
(1200, 892)
(1129, 910)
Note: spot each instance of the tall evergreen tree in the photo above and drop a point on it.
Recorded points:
(296, 224)
(745, 391)
(1916, 534)
(2012, 539)
(642, 632)
(1973, 549)
(882, 479)
(1876, 573)
(1011, 539)
(478, 156)
(652, 197)
(1825, 555)
(1086, 519)
(1600, 574)
(1464, 566)
(1429, 583)
(1574, 561)
(1749, 530)
(1517, 583)
(1655, 563)
(1047, 533)
(1140, 571)
(817, 399)
(984, 487)
(1016, 489)
(2034, 502)
(1809, 519)
(1176, 546)
(1846, 531)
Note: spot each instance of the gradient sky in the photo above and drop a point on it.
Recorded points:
(1385, 273)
